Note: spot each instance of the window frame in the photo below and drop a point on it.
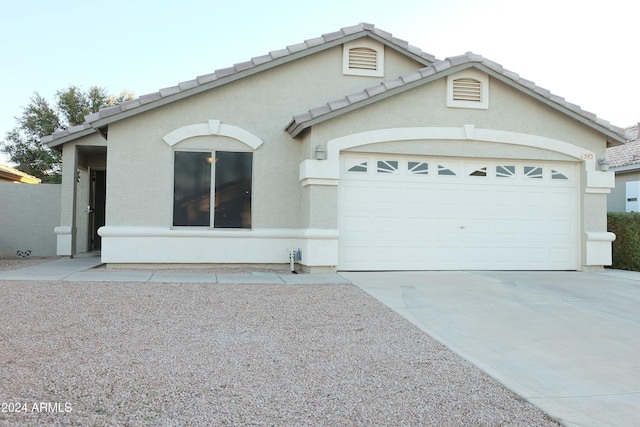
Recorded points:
(212, 190)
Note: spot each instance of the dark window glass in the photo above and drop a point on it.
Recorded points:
(192, 189)
(418, 168)
(233, 190)
(479, 172)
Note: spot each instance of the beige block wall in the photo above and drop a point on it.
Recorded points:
(28, 215)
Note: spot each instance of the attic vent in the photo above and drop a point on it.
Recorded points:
(467, 90)
(362, 58)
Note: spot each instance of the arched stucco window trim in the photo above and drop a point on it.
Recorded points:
(212, 127)
(327, 171)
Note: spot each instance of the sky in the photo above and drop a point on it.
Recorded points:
(586, 52)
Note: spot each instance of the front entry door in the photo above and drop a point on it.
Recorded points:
(97, 207)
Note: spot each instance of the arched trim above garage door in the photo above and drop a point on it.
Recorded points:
(327, 171)
(466, 132)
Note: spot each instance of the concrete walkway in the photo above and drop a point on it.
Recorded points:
(82, 269)
(567, 342)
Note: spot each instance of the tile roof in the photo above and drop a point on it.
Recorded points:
(437, 70)
(226, 75)
(627, 154)
(15, 175)
(75, 131)
(433, 69)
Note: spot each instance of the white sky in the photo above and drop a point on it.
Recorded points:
(586, 52)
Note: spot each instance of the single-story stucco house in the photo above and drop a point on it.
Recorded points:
(355, 151)
(625, 164)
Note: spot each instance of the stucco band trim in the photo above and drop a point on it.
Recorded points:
(129, 244)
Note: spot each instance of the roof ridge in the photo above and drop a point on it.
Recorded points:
(440, 66)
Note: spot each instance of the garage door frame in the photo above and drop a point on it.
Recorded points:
(456, 213)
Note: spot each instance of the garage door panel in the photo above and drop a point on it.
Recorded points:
(355, 224)
(506, 227)
(479, 198)
(561, 256)
(388, 197)
(418, 228)
(353, 255)
(531, 229)
(448, 197)
(416, 194)
(561, 229)
(403, 220)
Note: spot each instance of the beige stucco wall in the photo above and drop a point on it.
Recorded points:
(139, 188)
(509, 110)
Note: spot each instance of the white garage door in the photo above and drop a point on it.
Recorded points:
(419, 213)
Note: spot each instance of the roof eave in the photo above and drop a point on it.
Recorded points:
(626, 168)
(58, 142)
(576, 116)
(19, 177)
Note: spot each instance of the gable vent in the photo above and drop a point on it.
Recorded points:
(362, 58)
(467, 90)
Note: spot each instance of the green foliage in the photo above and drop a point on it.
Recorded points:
(74, 105)
(23, 143)
(38, 118)
(626, 247)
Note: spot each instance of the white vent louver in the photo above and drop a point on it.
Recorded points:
(363, 58)
(467, 90)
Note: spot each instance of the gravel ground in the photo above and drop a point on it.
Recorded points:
(166, 354)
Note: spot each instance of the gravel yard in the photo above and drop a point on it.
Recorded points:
(167, 354)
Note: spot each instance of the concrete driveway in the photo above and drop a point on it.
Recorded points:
(567, 342)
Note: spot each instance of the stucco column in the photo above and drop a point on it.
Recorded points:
(597, 240)
(66, 231)
(319, 215)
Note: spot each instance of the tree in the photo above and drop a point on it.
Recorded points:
(23, 143)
